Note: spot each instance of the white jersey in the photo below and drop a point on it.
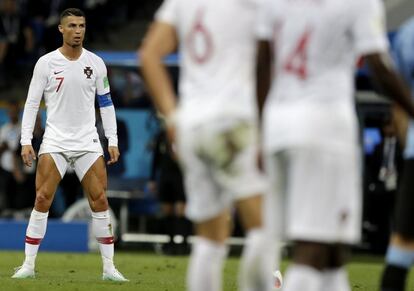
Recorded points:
(316, 46)
(69, 89)
(217, 52)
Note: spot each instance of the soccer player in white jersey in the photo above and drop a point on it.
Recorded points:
(310, 130)
(70, 78)
(216, 125)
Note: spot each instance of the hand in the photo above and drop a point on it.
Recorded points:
(113, 155)
(28, 155)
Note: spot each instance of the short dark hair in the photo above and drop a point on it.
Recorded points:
(72, 12)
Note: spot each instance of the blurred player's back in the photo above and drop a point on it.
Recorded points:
(314, 53)
(316, 44)
(217, 51)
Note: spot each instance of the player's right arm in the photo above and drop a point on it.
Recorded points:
(368, 29)
(388, 80)
(391, 85)
(161, 40)
(405, 66)
(31, 107)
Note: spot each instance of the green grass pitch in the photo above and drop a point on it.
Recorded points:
(147, 272)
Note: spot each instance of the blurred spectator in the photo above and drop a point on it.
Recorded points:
(384, 164)
(381, 181)
(9, 141)
(16, 39)
(118, 168)
(167, 182)
(128, 89)
(25, 176)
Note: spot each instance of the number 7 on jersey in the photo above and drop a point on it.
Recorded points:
(60, 79)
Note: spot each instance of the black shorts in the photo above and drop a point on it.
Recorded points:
(404, 208)
(171, 189)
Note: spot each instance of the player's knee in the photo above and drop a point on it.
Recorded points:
(43, 199)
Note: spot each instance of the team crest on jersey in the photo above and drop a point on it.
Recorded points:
(88, 72)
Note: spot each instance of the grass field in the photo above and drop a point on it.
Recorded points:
(147, 272)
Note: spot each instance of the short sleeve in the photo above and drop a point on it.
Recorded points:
(264, 27)
(167, 12)
(102, 82)
(368, 29)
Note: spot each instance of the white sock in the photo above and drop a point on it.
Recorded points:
(336, 279)
(259, 259)
(205, 267)
(303, 278)
(35, 232)
(102, 229)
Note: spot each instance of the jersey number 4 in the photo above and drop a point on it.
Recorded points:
(296, 62)
(60, 80)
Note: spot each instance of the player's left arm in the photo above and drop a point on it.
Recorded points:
(107, 111)
(161, 40)
(263, 73)
(264, 34)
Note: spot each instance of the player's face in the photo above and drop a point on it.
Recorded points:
(72, 29)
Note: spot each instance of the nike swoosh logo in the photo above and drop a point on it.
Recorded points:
(58, 72)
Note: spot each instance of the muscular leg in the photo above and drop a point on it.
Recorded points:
(250, 212)
(168, 226)
(400, 252)
(208, 254)
(318, 266)
(183, 226)
(47, 180)
(399, 259)
(312, 254)
(94, 184)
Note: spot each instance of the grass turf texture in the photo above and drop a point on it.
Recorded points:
(147, 272)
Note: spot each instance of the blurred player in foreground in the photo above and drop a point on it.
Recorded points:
(216, 127)
(310, 128)
(400, 253)
(69, 78)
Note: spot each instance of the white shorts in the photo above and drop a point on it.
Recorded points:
(315, 195)
(79, 161)
(219, 161)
